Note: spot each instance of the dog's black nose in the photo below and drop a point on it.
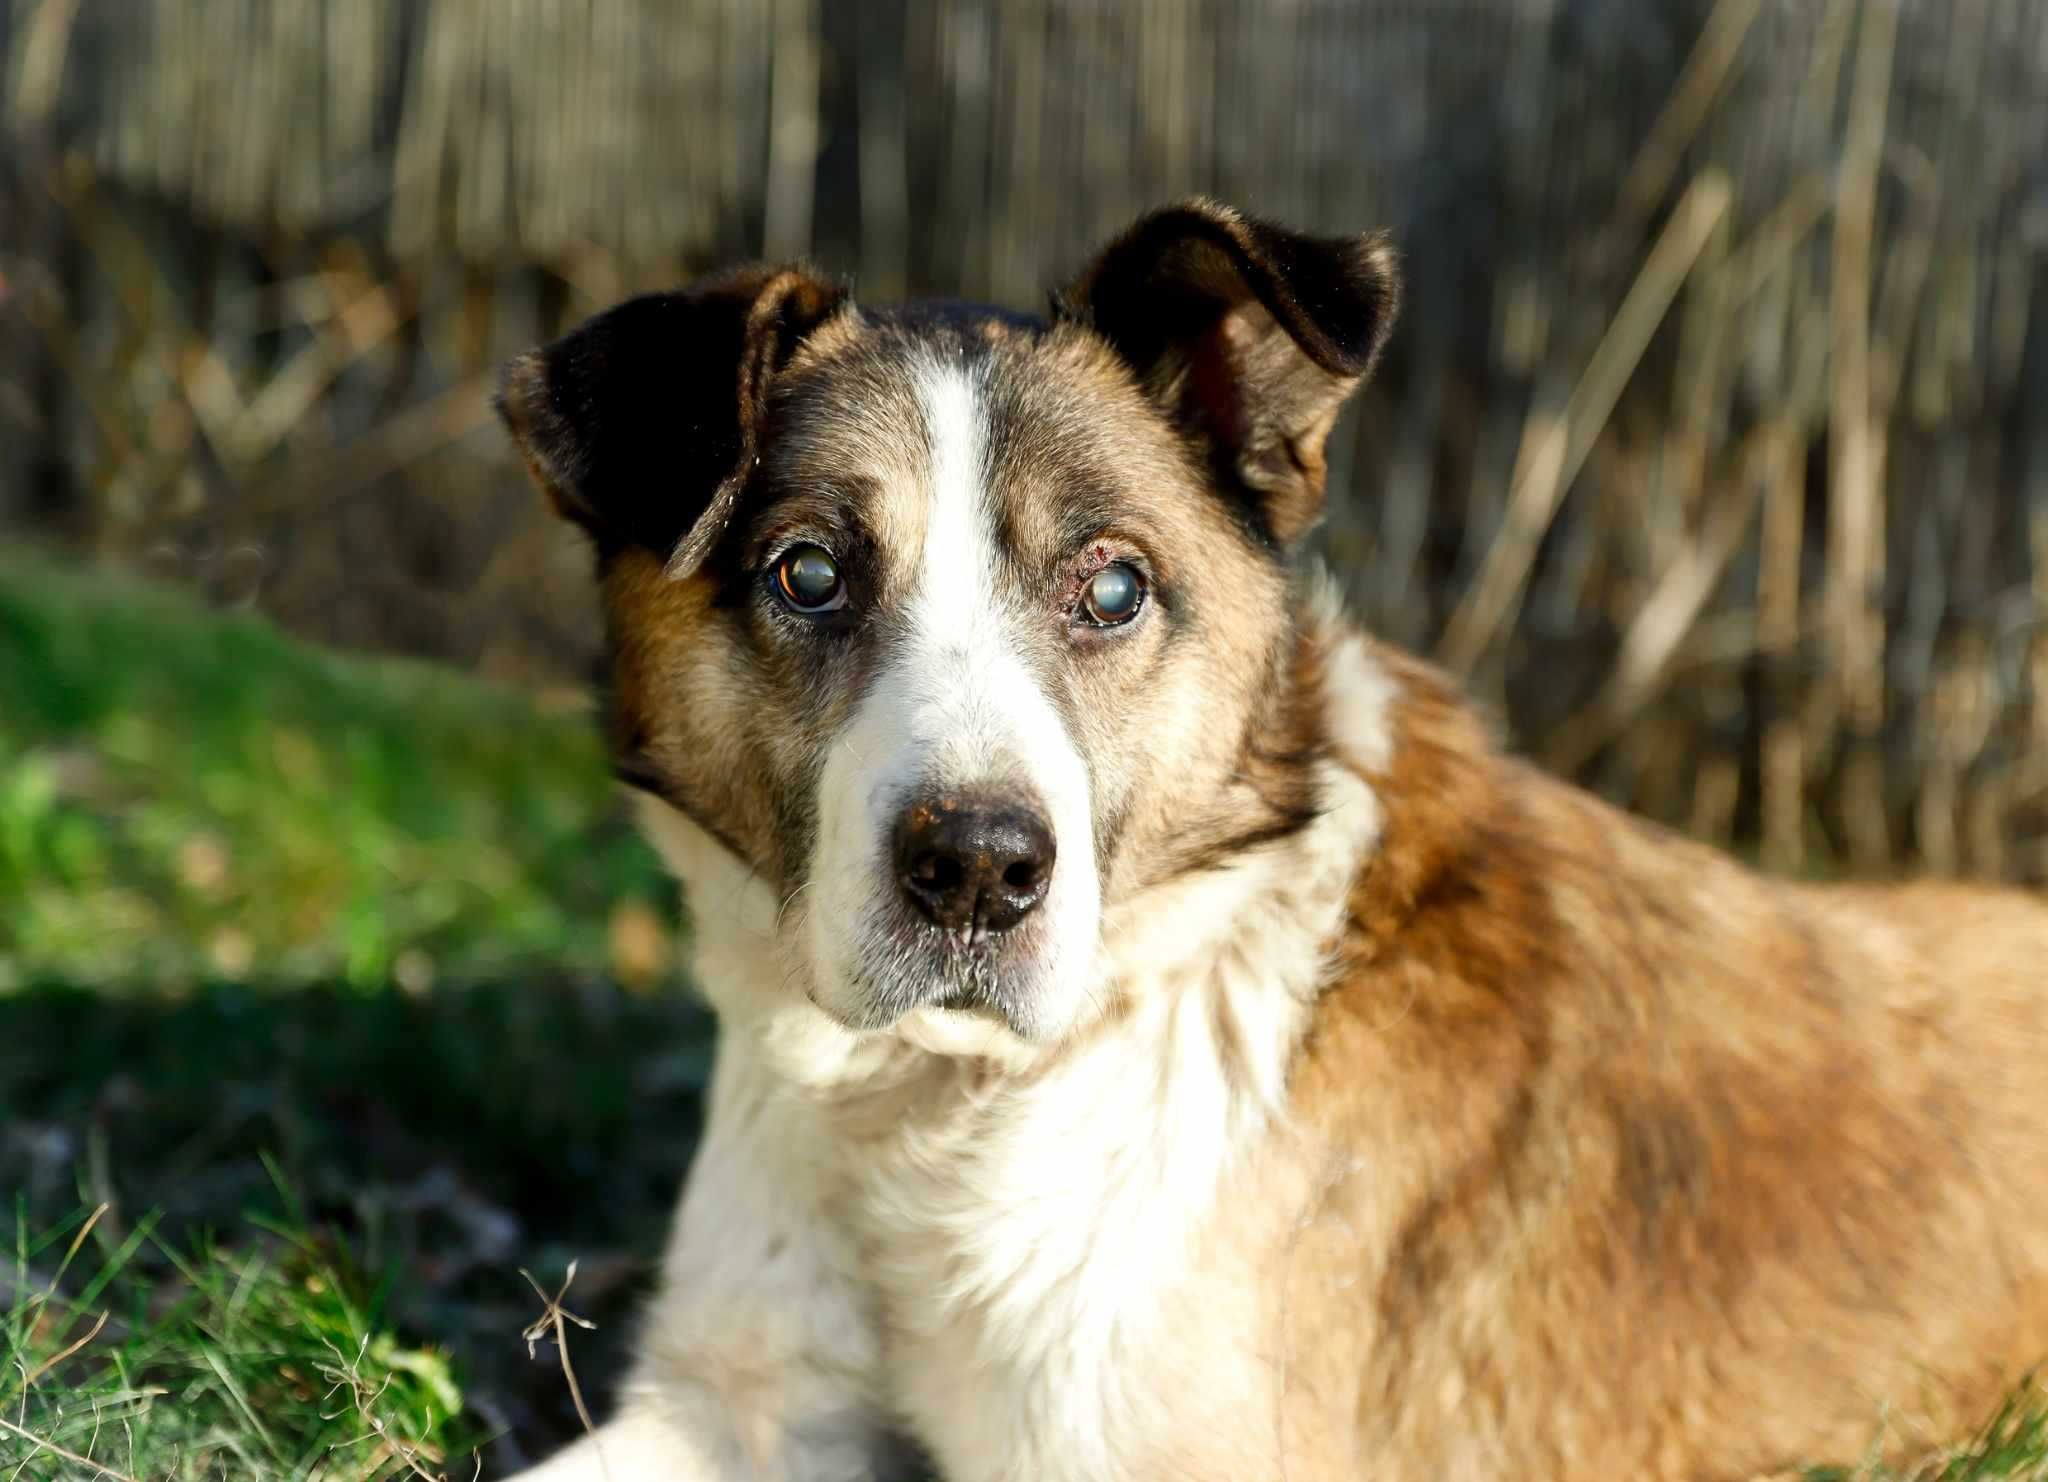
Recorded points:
(970, 864)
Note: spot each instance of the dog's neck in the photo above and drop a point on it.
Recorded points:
(1243, 940)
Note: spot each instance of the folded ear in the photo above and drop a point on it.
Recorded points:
(642, 425)
(1249, 336)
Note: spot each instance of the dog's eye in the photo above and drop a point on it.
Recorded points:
(808, 580)
(1113, 596)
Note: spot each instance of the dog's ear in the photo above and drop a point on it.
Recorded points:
(643, 424)
(1247, 335)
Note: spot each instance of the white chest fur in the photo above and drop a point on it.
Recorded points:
(1035, 1246)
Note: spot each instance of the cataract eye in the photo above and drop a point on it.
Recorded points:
(1113, 596)
(808, 579)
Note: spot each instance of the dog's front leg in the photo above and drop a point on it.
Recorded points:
(759, 1358)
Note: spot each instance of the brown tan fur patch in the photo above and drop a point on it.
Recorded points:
(1636, 1165)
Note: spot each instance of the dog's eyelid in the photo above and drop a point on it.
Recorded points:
(813, 512)
(781, 547)
(1106, 546)
(841, 541)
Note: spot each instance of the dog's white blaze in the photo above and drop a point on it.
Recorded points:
(956, 706)
(1059, 1270)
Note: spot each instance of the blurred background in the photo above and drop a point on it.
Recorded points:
(1712, 450)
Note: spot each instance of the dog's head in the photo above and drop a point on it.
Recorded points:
(955, 626)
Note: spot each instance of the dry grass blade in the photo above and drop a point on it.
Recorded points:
(357, 327)
(1554, 448)
(1715, 57)
(71, 1251)
(363, 1400)
(45, 44)
(554, 1318)
(99, 1469)
(190, 360)
(1664, 619)
(29, 1379)
(793, 144)
(44, 311)
(1856, 441)
(42, 1299)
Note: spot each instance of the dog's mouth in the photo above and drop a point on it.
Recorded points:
(962, 973)
(971, 1001)
(899, 967)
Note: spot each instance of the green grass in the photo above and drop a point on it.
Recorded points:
(186, 796)
(313, 980)
(423, 1147)
(2013, 1444)
(345, 989)
(266, 1361)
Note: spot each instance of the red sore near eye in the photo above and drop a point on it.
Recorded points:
(1113, 595)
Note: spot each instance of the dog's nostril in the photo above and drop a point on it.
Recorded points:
(973, 865)
(938, 871)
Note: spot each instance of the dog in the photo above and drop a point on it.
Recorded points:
(1164, 1035)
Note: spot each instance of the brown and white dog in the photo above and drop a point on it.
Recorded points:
(1163, 1036)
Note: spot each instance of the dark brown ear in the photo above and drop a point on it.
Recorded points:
(642, 424)
(1248, 335)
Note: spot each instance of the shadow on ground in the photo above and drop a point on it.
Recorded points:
(448, 1138)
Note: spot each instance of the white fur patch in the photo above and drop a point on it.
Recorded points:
(956, 707)
(1361, 693)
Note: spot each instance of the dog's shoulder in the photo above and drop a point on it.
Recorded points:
(1617, 1054)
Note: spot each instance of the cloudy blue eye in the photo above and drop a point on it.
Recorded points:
(808, 580)
(1113, 596)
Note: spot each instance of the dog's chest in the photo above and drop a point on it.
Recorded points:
(1049, 1263)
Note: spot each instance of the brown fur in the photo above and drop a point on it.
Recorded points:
(1640, 1166)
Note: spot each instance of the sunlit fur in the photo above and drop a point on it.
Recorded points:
(1362, 1102)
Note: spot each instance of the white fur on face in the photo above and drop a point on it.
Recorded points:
(956, 706)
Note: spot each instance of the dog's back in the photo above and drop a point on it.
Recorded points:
(1704, 1174)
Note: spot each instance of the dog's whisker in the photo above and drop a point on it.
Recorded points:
(787, 901)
